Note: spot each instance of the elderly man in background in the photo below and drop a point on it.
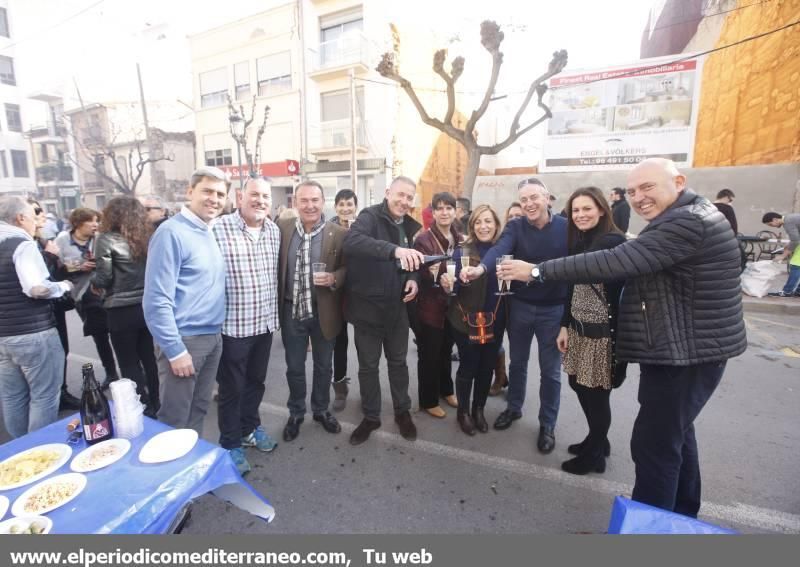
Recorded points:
(156, 209)
(680, 319)
(31, 356)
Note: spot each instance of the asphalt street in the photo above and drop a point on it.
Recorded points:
(446, 482)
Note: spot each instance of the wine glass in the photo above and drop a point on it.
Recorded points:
(434, 268)
(451, 271)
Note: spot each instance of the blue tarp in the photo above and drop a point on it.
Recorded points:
(631, 517)
(130, 497)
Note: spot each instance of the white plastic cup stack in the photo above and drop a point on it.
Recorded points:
(128, 410)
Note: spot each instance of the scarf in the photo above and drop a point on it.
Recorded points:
(302, 307)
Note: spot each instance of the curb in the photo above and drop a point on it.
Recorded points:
(773, 305)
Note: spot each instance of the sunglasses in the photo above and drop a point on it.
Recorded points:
(148, 209)
(530, 181)
(37, 210)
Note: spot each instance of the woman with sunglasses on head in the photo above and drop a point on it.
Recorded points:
(472, 302)
(588, 328)
(121, 254)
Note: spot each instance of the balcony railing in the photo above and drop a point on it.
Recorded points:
(54, 172)
(350, 49)
(335, 134)
(49, 130)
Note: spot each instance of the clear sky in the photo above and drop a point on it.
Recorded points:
(98, 42)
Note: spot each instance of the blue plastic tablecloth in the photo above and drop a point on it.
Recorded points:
(631, 517)
(130, 497)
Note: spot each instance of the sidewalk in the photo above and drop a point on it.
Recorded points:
(774, 305)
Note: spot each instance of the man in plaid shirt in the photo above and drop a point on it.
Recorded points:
(249, 242)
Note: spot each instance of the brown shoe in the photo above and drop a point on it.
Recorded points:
(451, 400)
(436, 411)
(362, 432)
(465, 421)
(500, 376)
(407, 428)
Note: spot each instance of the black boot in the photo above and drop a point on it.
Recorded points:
(584, 464)
(479, 420)
(577, 448)
(465, 421)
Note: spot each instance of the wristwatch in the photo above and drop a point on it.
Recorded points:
(536, 274)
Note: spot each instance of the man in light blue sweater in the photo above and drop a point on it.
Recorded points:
(184, 302)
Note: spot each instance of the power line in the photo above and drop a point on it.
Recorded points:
(702, 16)
(52, 27)
(682, 59)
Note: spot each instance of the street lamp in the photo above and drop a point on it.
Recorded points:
(237, 131)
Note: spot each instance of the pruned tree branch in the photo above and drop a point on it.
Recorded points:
(491, 38)
(388, 69)
(557, 64)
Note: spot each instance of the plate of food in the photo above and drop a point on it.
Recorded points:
(49, 495)
(26, 525)
(33, 464)
(100, 455)
(168, 446)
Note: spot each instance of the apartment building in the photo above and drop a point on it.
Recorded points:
(112, 152)
(16, 172)
(298, 58)
(52, 158)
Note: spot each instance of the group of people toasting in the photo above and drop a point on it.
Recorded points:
(668, 300)
(197, 300)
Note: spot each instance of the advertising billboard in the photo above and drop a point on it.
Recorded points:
(615, 117)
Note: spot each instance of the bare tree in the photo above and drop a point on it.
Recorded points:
(123, 180)
(491, 38)
(255, 157)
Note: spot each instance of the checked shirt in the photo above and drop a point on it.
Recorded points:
(251, 282)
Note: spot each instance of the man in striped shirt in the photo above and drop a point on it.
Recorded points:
(249, 242)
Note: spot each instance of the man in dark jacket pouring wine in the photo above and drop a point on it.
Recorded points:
(376, 294)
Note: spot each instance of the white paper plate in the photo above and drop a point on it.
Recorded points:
(114, 449)
(168, 446)
(3, 505)
(64, 451)
(79, 480)
(24, 522)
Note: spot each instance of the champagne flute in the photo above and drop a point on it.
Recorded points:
(451, 272)
(507, 257)
(464, 264)
(434, 268)
(500, 282)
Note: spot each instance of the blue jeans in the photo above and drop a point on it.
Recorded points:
(663, 445)
(295, 335)
(31, 372)
(794, 280)
(543, 322)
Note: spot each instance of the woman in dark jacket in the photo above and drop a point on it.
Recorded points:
(476, 361)
(434, 336)
(120, 255)
(588, 330)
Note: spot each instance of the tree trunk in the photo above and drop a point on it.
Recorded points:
(471, 174)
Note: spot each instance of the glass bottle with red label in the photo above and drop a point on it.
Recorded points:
(95, 412)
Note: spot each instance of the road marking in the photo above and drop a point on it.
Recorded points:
(735, 513)
(749, 318)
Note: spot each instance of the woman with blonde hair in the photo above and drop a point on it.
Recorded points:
(477, 302)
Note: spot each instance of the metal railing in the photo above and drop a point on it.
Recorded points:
(336, 134)
(350, 49)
